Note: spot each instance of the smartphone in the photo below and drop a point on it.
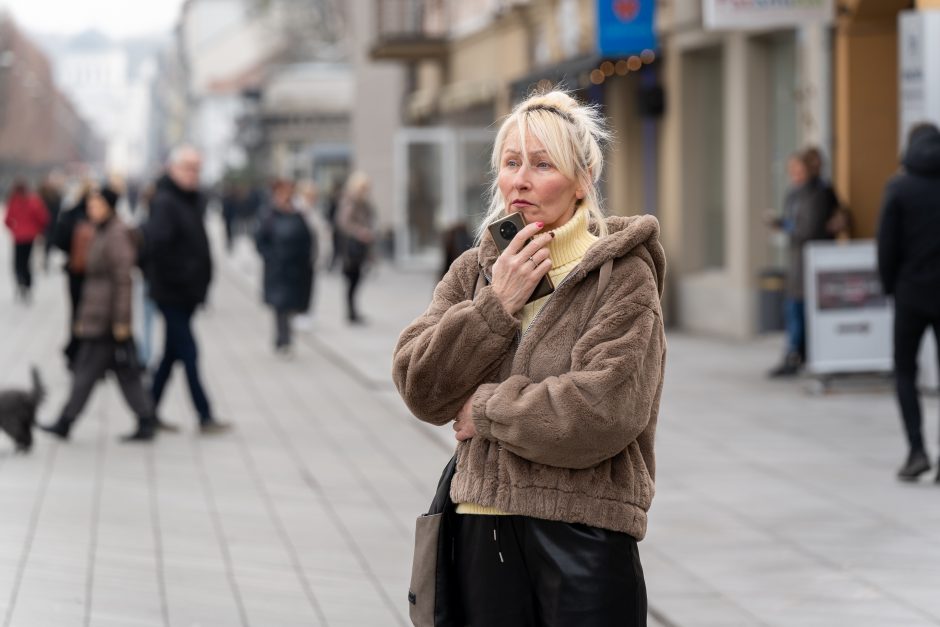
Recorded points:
(503, 230)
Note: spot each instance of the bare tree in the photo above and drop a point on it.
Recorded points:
(312, 30)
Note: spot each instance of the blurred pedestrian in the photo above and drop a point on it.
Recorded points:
(232, 199)
(51, 193)
(809, 205)
(73, 234)
(456, 241)
(307, 202)
(148, 307)
(909, 265)
(287, 246)
(356, 222)
(332, 215)
(27, 218)
(179, 270)
(103, 325)
(555, 401)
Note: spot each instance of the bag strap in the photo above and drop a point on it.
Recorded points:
(602, 280)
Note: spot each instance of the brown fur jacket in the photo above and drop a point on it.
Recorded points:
(565, 419)
(106, 294)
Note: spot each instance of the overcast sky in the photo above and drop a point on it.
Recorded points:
(117, 18)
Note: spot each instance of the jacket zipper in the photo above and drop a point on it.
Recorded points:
(550, 297)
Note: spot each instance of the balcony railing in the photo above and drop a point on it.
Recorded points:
(410, 30)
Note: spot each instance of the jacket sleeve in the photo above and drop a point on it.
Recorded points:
(591, 413)
(454, 346)
(889, 246)
(121, 255)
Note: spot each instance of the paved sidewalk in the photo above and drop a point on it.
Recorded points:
(773, 507)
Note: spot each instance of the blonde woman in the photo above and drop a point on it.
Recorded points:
(554, 403)
(356, 222)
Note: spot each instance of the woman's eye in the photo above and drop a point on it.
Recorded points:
(511, 163)
(544, 165)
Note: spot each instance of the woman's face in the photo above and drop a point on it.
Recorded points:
(797, 171)
(283, 195)
(98, 209)
(537, 189)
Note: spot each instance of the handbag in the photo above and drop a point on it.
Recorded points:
(82, 237)
(125, 354)
(432, 592)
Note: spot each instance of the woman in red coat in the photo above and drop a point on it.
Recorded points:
(26, 218)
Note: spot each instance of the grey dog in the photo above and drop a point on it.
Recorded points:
(18, 412)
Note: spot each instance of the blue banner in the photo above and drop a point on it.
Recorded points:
(625, 27)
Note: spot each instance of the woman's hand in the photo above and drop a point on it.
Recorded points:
(463, 423)
(521, 266)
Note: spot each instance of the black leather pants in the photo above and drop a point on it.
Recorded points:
(516, 571)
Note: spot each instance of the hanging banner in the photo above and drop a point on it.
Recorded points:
(760, 14)
(625, 27)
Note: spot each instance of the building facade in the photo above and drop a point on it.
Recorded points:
(40, 129)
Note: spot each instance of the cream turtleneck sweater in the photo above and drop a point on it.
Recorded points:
(572, 240)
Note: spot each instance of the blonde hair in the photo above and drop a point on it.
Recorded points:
(357, 185)
(573, 135)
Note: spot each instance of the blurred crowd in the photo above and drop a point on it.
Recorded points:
(117, 238)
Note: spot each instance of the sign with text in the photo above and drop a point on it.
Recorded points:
(848, 318)
(760, 14)
(625, 27)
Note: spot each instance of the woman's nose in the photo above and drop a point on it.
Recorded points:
(522, 178)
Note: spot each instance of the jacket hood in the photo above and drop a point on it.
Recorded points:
(923, 155)
(630, 235)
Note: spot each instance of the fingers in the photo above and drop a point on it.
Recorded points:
(539, 256)
(519, 241)
(538, 243)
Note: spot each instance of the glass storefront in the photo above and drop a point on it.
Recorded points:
(442, 177)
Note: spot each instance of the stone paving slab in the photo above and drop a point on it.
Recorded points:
(773, 506)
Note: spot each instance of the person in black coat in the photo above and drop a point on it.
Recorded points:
(179, 269)
(288, 248)
(909, 265)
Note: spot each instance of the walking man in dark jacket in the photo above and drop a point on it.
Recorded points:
(179, 270)
(909, 263)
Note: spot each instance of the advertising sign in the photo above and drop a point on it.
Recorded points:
(760, 14)
(625, 27)
(849, 321)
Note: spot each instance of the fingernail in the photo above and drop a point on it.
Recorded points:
(540, 224)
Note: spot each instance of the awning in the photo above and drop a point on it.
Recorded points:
(572, 74)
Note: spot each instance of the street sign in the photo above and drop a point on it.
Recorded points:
(761, 14)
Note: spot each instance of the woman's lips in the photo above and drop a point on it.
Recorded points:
(521, 203)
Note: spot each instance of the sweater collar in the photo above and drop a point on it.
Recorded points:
(572, 240)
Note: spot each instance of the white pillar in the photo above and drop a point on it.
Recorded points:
(814, 44)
